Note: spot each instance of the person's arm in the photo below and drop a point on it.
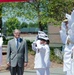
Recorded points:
(34, 46)
(26, 54)
(63, 36)
(8, 54)
(47, 56)
(68, 40)
(40, 48)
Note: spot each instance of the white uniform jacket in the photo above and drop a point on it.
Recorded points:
(42, 55)
(68, 54)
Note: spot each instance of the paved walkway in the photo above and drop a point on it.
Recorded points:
(53, 71)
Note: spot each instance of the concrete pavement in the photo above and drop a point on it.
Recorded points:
(53, 71)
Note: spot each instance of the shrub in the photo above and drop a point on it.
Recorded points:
(28, 43)
(55, 58)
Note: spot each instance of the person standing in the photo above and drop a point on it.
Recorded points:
(67, 37)
(69, 52)
(42, 56)
(64, 31)
(1, 42)
(17, 54)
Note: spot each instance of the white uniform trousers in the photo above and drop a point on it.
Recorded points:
(43, 71)
(40, 71)
(47, 71)
(69, 72)
(72, 67)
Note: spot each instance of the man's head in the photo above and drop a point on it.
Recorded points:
(16, 33)
(65, 21)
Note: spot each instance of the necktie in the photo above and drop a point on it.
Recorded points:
(17, 43)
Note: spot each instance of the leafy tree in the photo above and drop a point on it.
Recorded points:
(24, 25)
(11, 24)
(31, 25)
(40, 11)
(58, 8)
(50, 10)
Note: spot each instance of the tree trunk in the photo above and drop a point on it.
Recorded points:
(40, 26)
(39, 16)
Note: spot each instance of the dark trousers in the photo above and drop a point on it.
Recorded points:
(16, 70)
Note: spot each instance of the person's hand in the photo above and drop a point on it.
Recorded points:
(25, 64)
(68, 41)
(60, 27)
(8, 64)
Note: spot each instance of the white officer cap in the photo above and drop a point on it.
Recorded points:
(43, 36)
(66, 20)
(41, 32)
(46, 38)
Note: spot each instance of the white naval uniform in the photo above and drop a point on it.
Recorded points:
(42, 61)
(1, 42)
(72, 65)
(63, 33)
(66, 50)
(68, 61)
(63, 36)
(67, 56)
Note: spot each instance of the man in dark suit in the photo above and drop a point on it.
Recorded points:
(17, 54)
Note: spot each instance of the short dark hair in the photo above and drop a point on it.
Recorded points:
(47, 41)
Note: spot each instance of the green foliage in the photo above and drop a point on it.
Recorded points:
(0, 10)
(29, 45)
(33, 25)
(24, 25)
(5, 40)
(54, 58)
(58, 8)
(11, 24)
(39, 11)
